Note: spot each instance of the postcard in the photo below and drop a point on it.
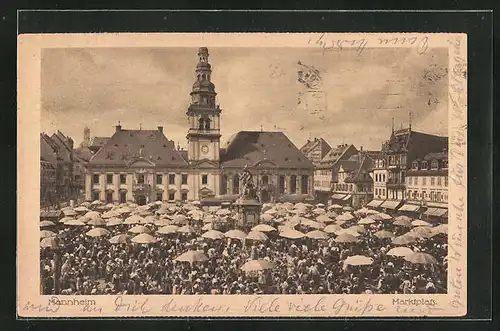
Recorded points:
(242, 175)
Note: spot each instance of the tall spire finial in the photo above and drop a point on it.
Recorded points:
(261, 128)
(140, 126)
(409, 121)
(393, 125)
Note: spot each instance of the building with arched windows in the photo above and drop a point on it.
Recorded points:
(144, 165)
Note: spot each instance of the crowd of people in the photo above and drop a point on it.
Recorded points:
(82, 264)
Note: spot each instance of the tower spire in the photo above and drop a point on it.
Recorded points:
(409, 121)
(393, 125)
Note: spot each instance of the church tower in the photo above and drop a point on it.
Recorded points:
(203, 114)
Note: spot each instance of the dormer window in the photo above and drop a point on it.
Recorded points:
(434, 165)
(445, 164)
(415, 165)
(424, 165)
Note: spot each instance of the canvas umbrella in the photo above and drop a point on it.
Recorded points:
(210, 219)
(162, 222)
(402, 222)
(193, 212)
(92, 214)
(317, 235)
(257, 265)
(81, 209)
(179, 219)
(133, 205)
(49, 242)
(257, 236)
(97, 222)
(348, 208)
(85, 204)
(324, 219)
(312, 224)
(114, 221)
(46, 234)
(320, 205)
(403, 240)
(345, 217)
(421, 232)
(110, 214)
(291, 233)
(139, 229)
(335, 206)
(74, 222)
(357, 228)
(150, 219)
(358, 260)
(362, 211)
(213, 234)
(235, 234)
(168, 229)
(65, 219)
(400, 251)
(319, 211)
(69, 212)
(382, 234)
(420, 223)
(382, 217)
(44, 224)
(332, 214)
(124, 210)
(421, 258)
(192, 257)
(207, 226)
(346, 238)
(266, 218)
(120, 239)
(96, 203)
(263, 228)
(404, 218)
(134, 219)
(442, 228)
(332, 228)
(144, 238)
(186, 229)
(98, 232)
(270, 212)
(351, 232)
(366, 220)
(213, 209)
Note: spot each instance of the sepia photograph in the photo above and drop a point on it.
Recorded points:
(211, 169)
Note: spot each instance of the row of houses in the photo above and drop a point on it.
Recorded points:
(409, 173)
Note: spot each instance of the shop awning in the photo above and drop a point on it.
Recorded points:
(338, 196)
(409, 207)
(347, 197)
(375, 203)
(436, 212)
(390, 204)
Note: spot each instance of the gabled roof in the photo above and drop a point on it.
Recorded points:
(126, 146)
(250, 147)
(310, 145)
(49, 141)
(336, 154)
(98, 142)
(361, 173)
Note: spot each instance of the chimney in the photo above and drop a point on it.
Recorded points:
(361, 148)
(118, 127)
(160, 128)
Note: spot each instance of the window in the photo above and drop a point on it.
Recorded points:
(293, 184)
(159, 196)
(123, 196)
(415, 165)
(432, 195)
(184, 196)
(140, 178)
(265, 180)
(159, 179)
(171, 196)
(445, 164)
(281, 184)
(415, 181)
(438, 196)
(305, 184)
(410, 180)
(109, 197)
(424, 180)
(95, 179)
(350, 187)
(383, 177)
(446, 181)
(109, 178)
(201, 123)
(236, 184)
(204, 179)
(223, 185)
(184, 179)
(439, 181)
(383, 192)
(433, 181)
(95, 196)
(207, 124)
(171, 179)
(434, 164)
(424, 165)
(123, 179)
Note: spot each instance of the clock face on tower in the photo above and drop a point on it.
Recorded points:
(204, 149)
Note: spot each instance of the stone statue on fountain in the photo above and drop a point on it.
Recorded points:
(247, 188)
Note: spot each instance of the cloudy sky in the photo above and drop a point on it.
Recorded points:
(357, 99)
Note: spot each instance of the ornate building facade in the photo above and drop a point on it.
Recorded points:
(144, 165)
